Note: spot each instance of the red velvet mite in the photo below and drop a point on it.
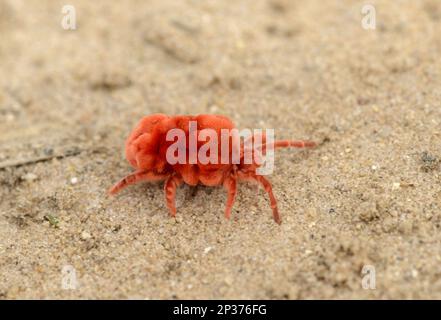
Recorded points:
(146, 150)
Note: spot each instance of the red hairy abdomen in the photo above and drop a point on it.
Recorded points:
(147, 146)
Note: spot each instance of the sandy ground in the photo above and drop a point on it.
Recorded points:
(368, 196)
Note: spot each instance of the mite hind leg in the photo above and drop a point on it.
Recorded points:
(268, 188)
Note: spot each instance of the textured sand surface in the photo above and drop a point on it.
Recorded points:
(369, 195)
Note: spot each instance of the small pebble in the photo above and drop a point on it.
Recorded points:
(406, 227)
(207, 250)
(395, 186)
(74, 180)
(214, 108)
(10, 117)
(85, 235)
(228, 281)
(30, 177)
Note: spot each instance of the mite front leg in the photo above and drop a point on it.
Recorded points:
(293, 144)
(268, 188)
(230, 185)
(136, 177)
(283, 144)
(170, 192)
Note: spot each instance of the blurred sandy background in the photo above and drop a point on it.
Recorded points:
(369, 195)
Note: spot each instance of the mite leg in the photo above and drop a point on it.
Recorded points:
(286, 144)
(230, 184)
(293, 143)
(170, 192)
(269, 189)
(136, 177)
